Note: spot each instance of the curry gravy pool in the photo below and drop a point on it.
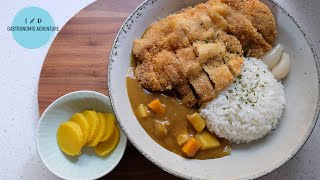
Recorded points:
(164, 128)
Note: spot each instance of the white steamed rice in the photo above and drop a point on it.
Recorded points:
(249, 108)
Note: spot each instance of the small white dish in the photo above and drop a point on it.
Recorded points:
(88, 165)
(247, 161)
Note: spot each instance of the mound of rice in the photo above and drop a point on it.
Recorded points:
(249, 108)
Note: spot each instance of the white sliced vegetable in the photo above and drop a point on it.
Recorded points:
(272, 58)
(282, 69)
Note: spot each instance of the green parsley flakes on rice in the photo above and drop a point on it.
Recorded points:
(249, 108)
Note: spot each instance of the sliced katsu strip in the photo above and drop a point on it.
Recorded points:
(206, 51)
(234, 62)
(202, 85)
(186, 56)
(197, 77)
(238, 25)
(219, 73)
(259, 15)
(187, 96)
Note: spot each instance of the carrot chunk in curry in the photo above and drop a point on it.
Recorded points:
(191, 147)
(157, 107)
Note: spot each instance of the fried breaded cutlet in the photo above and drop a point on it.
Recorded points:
(199, 51)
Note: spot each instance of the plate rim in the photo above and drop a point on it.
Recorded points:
(259, 175)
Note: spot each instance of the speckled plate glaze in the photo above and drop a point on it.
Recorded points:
(247, 161)
(88, 165)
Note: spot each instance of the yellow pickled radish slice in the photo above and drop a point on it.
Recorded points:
(106, 147)
(83, 123)
(111, 123)
(101, 131)
(70, 138)
(93, 122)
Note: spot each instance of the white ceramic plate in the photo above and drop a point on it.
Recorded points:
(246, 161)
(88, 165)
